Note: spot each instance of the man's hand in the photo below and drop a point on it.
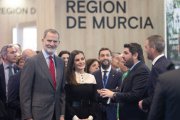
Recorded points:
(141, 107)
(61, 117)
(106, 93)
(140, 104)
(29, 119)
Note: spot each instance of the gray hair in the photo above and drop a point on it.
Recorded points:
(51, 31)
(4, 50)
(157, 42)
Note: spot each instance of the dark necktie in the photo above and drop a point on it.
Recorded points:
(105, 78)
(52, 70)
(10, 70)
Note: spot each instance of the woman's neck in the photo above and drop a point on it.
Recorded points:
(80, 71)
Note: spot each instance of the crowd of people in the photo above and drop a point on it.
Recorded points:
(45, 85)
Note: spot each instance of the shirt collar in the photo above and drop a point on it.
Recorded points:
(134, 65)
(155, 60)
(7, 65)
(46, 55)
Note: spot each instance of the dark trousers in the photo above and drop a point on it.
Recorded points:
(107, 112)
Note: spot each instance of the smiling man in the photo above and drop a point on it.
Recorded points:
(109, 78)
(42, 82)
(133, 85)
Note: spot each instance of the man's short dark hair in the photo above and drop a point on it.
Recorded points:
(135, 48)
(102, 49)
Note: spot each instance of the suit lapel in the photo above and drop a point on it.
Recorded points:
(99, 75)
(2, 79)
(58, 71)
(129, 76)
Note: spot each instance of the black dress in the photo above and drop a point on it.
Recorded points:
(80, 101)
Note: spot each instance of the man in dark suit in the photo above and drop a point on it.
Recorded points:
(42, 82)
(133, 86)
(154, 47)
(7, 69)
(112, 81)
(13, 88)
(166, 100)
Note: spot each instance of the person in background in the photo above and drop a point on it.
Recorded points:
(115, 61)
(13, 86)
(120, 63)
(18, 49)
(42, 95)
(0, 59)
(80, 89)
(20, 62)
(165, 104)
(109, 78)
(7, 70)
(133, 85)
(65, 56)
(92, 65)
(154, 47)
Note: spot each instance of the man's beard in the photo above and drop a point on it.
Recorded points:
(50, 50)
(105, 64)
(129, 63)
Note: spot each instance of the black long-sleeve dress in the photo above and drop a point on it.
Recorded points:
(80, 98)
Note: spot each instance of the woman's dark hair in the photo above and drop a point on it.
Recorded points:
(63, 52)
(70, 77)
(89, 62)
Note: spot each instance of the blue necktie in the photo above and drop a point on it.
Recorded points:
(105, 78)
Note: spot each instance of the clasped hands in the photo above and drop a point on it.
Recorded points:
(76, 118)
(105, 93)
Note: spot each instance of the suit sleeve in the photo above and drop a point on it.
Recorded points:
(157, 108)
(26, 84)
(151, 84)
(138, 88)
(62, 96)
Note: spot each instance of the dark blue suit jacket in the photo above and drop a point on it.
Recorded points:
(114, 81)
(2, 85)
(3, 99)
(132, 91)
(107, 112)
(13, 91)
(162, 65)
(166, 100)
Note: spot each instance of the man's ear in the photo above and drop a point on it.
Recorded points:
(135, 55)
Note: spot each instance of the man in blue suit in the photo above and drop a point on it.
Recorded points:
(133, 85)
(13, 89)
(7, 69)
(165, 104)
(108, 78)
(154, 47)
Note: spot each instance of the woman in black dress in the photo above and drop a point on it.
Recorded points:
(80, 89)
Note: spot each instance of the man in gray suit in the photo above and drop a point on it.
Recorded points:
(42, 82)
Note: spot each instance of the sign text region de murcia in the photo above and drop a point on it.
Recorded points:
(105, 14)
